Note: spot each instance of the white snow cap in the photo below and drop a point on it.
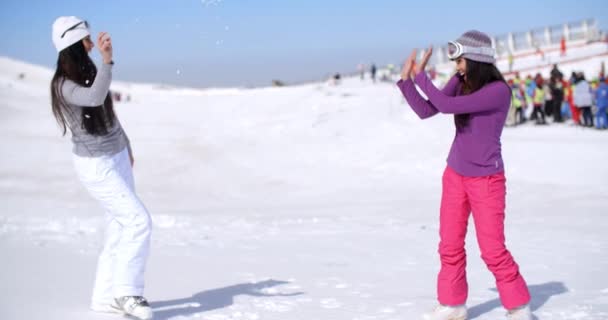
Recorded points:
(68, 30)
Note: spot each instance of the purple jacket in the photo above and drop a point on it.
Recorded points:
(476, 147)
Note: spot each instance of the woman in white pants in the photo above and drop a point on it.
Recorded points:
(103, 161)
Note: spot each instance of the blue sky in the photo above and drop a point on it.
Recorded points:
(206, 43)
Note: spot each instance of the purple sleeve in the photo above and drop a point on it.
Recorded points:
(451, 87)
(421, 106)
(487, 98)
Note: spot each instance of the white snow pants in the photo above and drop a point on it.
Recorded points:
(121, 265)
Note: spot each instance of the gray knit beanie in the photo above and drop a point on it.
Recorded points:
(474, 38)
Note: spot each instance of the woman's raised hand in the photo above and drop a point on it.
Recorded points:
(411, 68)
(104, 44)
(425, 59)
(408, 66)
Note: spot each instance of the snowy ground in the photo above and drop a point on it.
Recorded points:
(308, 202)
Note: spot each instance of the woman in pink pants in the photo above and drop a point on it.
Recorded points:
(474, 180)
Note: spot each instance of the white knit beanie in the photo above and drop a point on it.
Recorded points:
(68, 30)
(477, 39)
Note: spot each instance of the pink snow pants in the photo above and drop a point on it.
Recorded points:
(485, 197)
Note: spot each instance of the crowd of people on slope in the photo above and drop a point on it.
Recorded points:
(559, 98)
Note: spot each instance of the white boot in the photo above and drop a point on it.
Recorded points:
(521, 313)
(134, 306)
(442, 312)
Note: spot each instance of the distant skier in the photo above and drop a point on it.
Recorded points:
(474, 179)
(538, 100)
(335, 79)
(372, 71)
(102, 157)
(516, 114)
(557, 92)
(361, 69)
(601, 98)
(555, 73)
(583, 99)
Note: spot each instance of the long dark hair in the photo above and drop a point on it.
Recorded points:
(478, 75)
(75, 64)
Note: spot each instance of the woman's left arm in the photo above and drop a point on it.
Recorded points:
(487, 98)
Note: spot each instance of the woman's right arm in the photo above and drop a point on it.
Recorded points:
(92, 96)
(424, 108)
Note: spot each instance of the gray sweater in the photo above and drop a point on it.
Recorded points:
(76, 97)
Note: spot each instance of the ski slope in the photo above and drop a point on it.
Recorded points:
(305, 202)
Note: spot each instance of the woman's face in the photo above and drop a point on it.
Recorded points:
(88, 43)
(461, 67)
